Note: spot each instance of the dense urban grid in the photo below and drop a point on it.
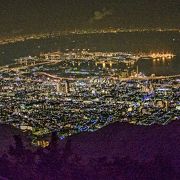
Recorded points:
(75, 91)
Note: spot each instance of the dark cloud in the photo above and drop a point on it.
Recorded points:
(99, 15)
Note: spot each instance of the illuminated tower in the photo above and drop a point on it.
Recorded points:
(104, 65)
(110, 63)
(137, 70)
(26, 62)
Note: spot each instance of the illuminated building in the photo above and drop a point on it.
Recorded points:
(63, 87)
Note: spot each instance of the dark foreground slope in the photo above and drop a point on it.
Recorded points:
(140, 143)
(118, 151)
(7, 134)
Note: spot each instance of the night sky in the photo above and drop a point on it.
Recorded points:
(24, 16)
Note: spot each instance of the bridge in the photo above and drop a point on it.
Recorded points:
(54, 76)
(139, 78)
(151, 77)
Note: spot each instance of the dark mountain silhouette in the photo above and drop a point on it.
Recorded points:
(121, 139)
(7, 134)
(118, 151)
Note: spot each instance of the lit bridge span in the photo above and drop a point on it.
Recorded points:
(114, 78)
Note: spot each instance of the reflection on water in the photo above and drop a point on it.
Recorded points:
(160, 67)
(125, 42)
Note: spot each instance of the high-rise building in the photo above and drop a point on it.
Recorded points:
(67, 87)
(58, 87)
(63, 87)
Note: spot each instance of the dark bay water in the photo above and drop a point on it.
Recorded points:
(125, 42)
